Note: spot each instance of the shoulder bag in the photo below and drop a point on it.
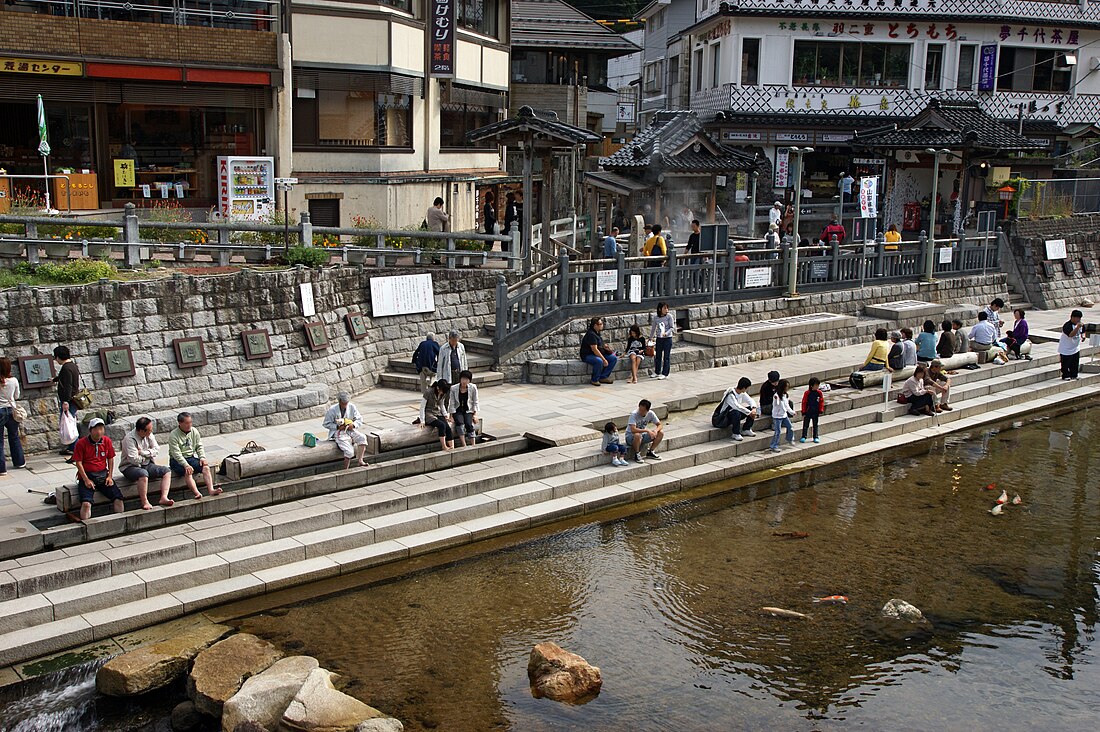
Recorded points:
(18, 413)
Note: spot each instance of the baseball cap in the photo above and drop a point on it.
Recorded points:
(95, 422)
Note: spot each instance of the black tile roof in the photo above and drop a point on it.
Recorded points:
(553, 24)
(949, 124)
(798, 119)
(541, 122)
(677, 142)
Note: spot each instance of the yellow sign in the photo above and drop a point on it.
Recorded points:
(124, 173)
(45, 67)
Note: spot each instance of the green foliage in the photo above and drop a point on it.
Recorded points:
(309, 256)
(154, 264)
(174, 213)
(276, 218)
(472, 245)
(77, 272)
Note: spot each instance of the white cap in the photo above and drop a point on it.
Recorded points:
(95, 422)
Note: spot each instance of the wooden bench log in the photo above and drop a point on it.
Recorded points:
(68, 496)
(238, 467)
(405, 436)
(867, 379)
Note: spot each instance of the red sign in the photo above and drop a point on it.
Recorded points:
(441, 28)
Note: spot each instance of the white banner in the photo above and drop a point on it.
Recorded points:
(758, 277)
(607, 280)
(782, 167)
(401, 295)
(868, 197)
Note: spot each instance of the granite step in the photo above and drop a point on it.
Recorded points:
(411, 382)
(475, 361)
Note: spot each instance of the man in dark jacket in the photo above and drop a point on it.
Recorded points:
(425, 360)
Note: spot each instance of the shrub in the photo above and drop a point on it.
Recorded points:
(309, 256)
(77, 272)
(276, 218)
(170, 212)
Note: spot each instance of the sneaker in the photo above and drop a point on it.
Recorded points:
(790, 442)
(803, 440)
(653, 375)
(817, 439)
(1027, 357)
(596, 383)
(737, 437)
(748, 433)
(639, 459)
(947, 408)
(652, 455)
(607, 381)
(663, 376)
(775, 449)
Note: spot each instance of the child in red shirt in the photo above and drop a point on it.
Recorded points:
(813, 406)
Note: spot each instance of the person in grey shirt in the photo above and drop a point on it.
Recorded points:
(437, 218)
(644, 428)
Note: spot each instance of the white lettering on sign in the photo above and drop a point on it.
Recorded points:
(758, 277)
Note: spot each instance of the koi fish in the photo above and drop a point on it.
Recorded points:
(1016, 500)
(997, 509)
(831, 599)
(790, 534)
(1003, 498)
(991, 487)
(779, 612)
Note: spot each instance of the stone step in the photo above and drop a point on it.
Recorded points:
(411, 382)
(37, 625)
(479, 344)
(475, 361)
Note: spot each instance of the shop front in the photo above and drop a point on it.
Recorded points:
(135, 141)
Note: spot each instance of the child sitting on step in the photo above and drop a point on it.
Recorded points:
(351, 442)
(613, 446)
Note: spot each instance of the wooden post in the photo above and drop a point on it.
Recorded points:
(712, 201)
(525, 205)
(544, 199)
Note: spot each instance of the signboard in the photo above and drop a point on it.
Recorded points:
(442, 48)
(869, 161)
(713, 237)
(635, 288)
(864, 229)
(836, 137)
(607, 280)
(42, 67)
(624, 112)
(124, 173)
(868, 197)
(747, 136)
(987, 222)
(987, 68)
(782, 167)
(819, 270)
(309, 308)
(792, 136)
(401, 295)
(1056, 248)
(945, 255)
(758, 277)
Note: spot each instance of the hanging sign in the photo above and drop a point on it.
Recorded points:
(607, 280)
(758, 277)
(782, 167)
(442, 45)
(987, 67)
(945, 255)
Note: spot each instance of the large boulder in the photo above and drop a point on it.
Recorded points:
(185, 718)
(153, 667)
(220, 670)
(319, 707)
(557, 674)
(264, 697)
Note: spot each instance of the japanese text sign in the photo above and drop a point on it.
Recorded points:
(441, 43)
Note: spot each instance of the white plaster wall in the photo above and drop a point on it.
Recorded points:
(341, 41)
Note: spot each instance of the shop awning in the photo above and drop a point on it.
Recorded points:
(614, 183)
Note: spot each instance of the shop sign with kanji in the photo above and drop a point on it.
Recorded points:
(932, 31)
(442, 41)
(42, 67)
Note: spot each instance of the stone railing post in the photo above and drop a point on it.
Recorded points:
(500, 334)
(305, 230)
(621, 286)
(131, 235)
(670, 289)
(926, 255)
(518, 255)
(224, 240)
(380, 243)
(451, 261)
(32, 246)
(834, 266)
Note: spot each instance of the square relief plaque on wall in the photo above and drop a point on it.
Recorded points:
(256, 343)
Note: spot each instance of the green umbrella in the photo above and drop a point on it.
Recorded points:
(43, 142)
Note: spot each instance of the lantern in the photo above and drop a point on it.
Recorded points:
(1007, 193)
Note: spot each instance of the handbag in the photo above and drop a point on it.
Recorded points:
(902, 399)
(83, 398)
(18, 413)
(309, 439)
(252, 447)
(650, 348)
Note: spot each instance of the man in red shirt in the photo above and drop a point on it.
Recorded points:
(94, 457)
(834, 227)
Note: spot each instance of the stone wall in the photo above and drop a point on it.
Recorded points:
(1027, 241)
(564, 342)
(148, 315)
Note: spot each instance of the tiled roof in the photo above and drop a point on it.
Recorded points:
(949, 124)
(553, 24)
(677, 142)
(540, 122)
(788, 119)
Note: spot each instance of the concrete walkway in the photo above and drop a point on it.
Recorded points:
(507, 409)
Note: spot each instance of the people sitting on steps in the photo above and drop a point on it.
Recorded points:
(945, 346)
(767, 390)
(643, 429)
(743, 411)
(909, 348)
(352, 442)
(138, 463)
(94, 457)
(939, 383)
(962, 340)
(635, 351)
(916, 394)
(597, 354)
(993, 314)
(926, 342)
(880, 351)
(463, 406)
(983, 337)
(338, 412)
(186, 456)
(895, 359)
(433, 413)
(1017, 335)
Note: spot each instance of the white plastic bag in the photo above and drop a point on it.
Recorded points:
(67, 429)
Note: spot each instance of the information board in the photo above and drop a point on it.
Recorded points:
(607, 280)
(309, 308)
(945, 255)
(1056, 248)
(758, 277)
(713, 237)
(635, 288)
(401, 295)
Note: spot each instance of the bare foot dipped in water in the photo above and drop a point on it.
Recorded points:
(196, 495)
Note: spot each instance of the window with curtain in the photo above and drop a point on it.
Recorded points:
(331, 118)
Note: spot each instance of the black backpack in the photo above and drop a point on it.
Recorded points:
(722, 418)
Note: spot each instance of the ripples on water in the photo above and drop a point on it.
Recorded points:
(667, 604)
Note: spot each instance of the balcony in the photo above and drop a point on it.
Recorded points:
(890, 102)
(218, 32)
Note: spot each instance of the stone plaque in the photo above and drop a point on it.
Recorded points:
(256, 343)
(36, 372)
(316, 336)
(116, 362)
(190, 352)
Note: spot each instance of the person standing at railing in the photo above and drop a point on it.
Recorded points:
(661, 333)
(611, 246)
(436, 218)
(655, 247)
(489, 213)
(893, 238)
(835, 228)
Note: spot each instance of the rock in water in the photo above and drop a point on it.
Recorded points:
(220, 670)
(319, 707)
(152, 667)
(557, 674)
(901, 610)
(384, 724)
(185, 718)
(264, 697)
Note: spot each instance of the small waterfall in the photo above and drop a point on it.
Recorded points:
(59, 702)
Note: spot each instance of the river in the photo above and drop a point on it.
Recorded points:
(667, 604)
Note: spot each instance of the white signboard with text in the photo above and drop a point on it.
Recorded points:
(607, 280)
(1056, 248)
(945, 255)
(401, 295)
(758, 277)
(309, 308)
(782, 167)
(635, 288)
(868, 197)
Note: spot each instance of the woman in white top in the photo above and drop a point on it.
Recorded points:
(463, 406)
(917, 397)
(9, 394)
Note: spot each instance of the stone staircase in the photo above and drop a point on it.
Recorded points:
(325, 526)
(400, 373)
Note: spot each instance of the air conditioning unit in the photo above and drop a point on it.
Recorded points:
(907, 156)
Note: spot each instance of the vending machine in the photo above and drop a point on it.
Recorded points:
(246, 187)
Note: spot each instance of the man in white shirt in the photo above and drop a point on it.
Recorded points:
(775, 215)
(138, 463)
(983, 334)
(1069, 345)
(337, 413)
(992, 314)
(744, 410)
(644, 428)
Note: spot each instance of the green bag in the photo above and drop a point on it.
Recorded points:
(309, 439)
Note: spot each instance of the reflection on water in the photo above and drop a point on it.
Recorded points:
(667, 604)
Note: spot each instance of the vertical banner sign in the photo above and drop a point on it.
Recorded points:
(782, 167)
(868, 197)
(987, 68)
(442, 46)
